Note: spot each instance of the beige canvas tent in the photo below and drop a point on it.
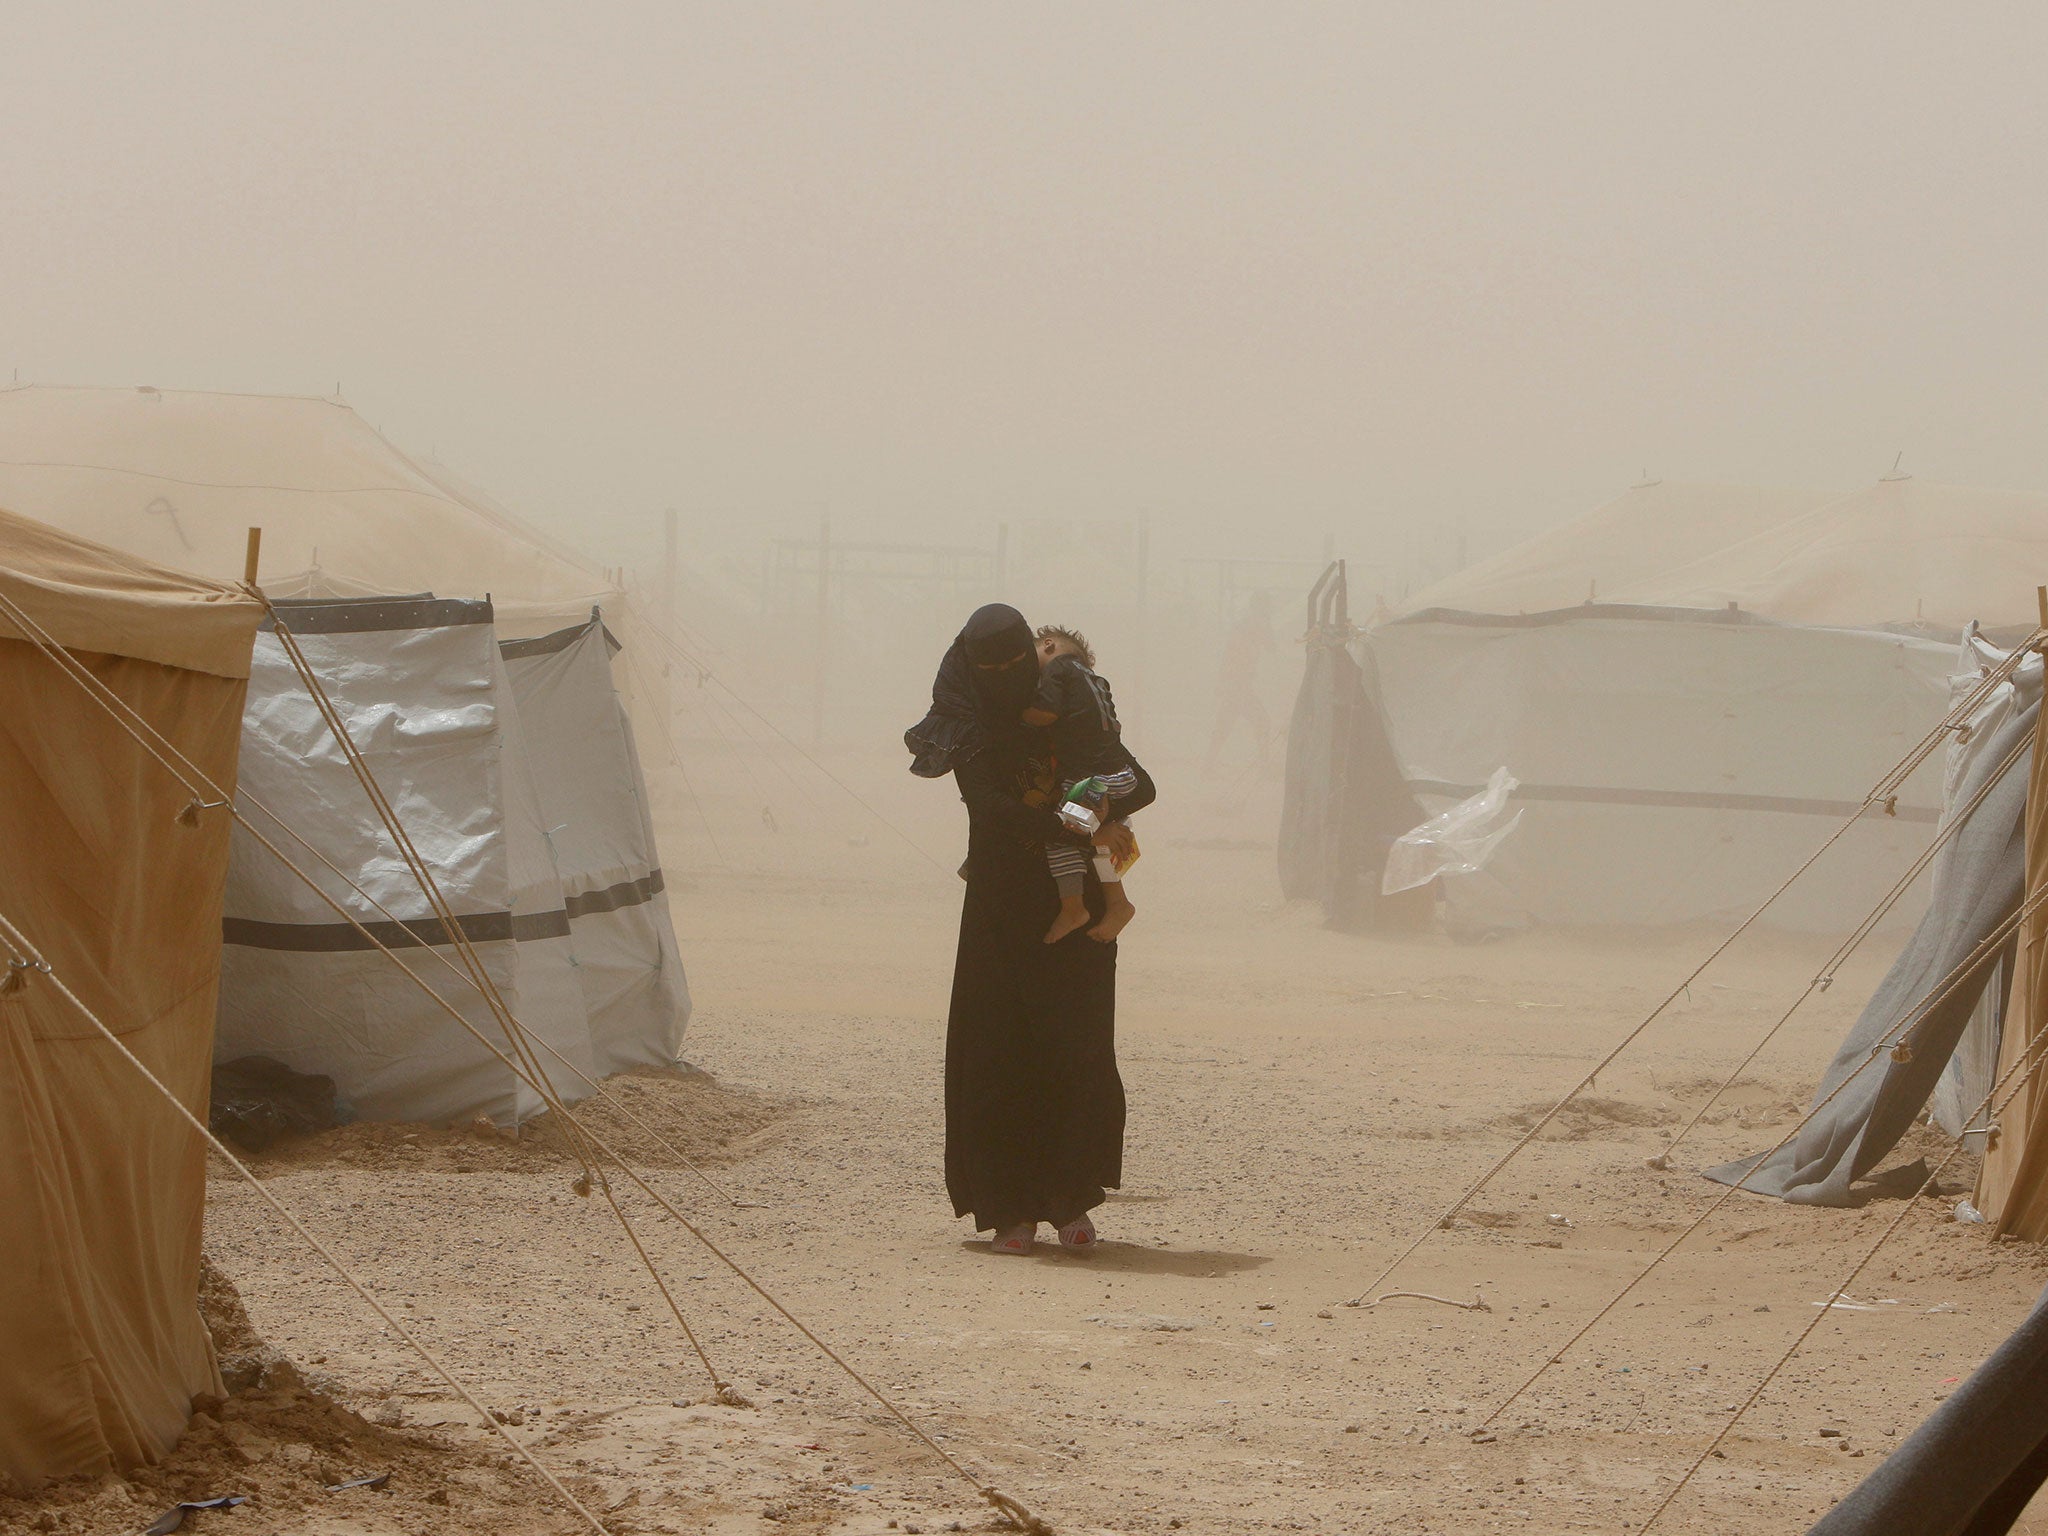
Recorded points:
(2012, 1187)
(100, 1211)
(178, 476)
(1624, 551)
(1900, 552)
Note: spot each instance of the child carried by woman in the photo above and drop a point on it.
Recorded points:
(1087, 742)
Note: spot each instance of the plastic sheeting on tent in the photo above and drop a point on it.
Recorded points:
(2012, 1186)
(101, 1210)
(430, 703)
(1675, 765)
(181, 475)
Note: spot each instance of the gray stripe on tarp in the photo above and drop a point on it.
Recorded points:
(1574, 794)
(372, 615)
(1468, 618)
(627, 893)
(428, 933)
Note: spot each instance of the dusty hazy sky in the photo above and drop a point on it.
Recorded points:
(1383, 268)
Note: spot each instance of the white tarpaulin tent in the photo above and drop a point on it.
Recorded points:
(1674, 765)
(488, 795)
(556, 831)
(1695, 684)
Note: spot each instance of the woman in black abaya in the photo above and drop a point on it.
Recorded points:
(1034, 1106)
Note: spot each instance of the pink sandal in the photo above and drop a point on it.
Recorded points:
(1019, 1241)
(1078, 1236)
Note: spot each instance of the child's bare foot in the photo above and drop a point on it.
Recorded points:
(1073, 914)
(1116, 915)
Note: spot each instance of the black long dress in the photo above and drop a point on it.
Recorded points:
(1034, 1105)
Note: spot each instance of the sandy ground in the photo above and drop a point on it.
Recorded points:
(1302, 1103)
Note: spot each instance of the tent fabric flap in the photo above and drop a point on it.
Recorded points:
(1973, 1067)
(88, 597)
(1344, 801)
(102, 1208)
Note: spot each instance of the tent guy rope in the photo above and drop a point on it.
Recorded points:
(26, 959)
(1825, 976)
(1884, 795)
(140, 730)
(1983, 954)
(2032, 1060)
(783, 736)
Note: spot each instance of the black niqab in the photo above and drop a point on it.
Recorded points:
(975, 698)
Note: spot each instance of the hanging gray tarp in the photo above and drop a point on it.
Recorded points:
(1972, 1466)
(1345, 801)
(1974, 1066)
(1977, 880)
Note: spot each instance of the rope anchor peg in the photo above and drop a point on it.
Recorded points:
(1476, 1304)
(1016, 1514)
(189, 816)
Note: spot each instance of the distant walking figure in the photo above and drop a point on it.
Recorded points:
(1237, 680)
(1034, 1105)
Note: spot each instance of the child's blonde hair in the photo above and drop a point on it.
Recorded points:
(1072, 638)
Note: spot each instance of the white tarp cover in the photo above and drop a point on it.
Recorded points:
(426, 697)
(1675, 765)
(593, 804)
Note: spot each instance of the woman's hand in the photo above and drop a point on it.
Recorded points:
(1115, 839)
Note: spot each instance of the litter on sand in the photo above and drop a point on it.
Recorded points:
(173, 1519)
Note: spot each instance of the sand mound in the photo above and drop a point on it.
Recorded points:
(701, 1118)
(1587, 1119)
(283, 1449)
(286, 1448)
(707, 1121)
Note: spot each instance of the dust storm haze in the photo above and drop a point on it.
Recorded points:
(1398, 275)
(1134, 316)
